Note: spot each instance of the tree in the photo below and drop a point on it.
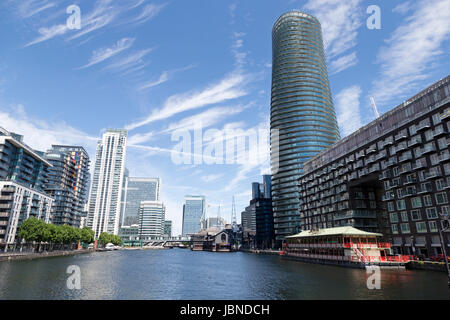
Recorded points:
(87, 235)
(104, 238)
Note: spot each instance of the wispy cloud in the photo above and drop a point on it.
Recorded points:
(340, 21)
(149, 12)
(347, 107)
(212, 177)
(102, 54)
(131, 61)
(343, 62)
(41, 134)
(411, 50)
(164, 77)
(402, 8)
(28, 8)
(48, 33)
(228, 88)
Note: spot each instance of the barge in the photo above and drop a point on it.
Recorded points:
(342, 246)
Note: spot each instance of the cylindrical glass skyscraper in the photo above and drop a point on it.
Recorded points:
(303, 120)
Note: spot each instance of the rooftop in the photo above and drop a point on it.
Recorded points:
(347, 231)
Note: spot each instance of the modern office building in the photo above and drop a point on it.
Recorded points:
(106, 189)
(68, 183)
(258, 216)
(168, 229)
(194, 209)
(137, 190)
(303, 120)
(151, 220)
(391, 176)
(23, 178)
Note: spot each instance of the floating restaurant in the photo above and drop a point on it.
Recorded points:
(346, 246)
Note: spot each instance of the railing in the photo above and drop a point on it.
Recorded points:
(367, 259)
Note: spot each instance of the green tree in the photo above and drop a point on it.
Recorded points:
(104, 238)
(87, 235)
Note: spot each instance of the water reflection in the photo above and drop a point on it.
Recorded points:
(182, 274)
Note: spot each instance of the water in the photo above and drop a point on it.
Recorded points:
(183, 274)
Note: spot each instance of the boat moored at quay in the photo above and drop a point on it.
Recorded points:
(343, 246)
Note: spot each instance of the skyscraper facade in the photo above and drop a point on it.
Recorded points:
(106, 190)
(193, 213)
(303, 120)
(23, 178)
(68, 183)
(137, 190)
(151, 220)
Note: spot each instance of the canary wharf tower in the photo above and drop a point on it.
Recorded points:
(303, 121)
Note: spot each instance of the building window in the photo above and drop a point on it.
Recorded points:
(394, 228)
(390, 206)
(440, 184)
(433, 226)
(416, 202)
(401, 205)
(404, 227)
(421, 227)
(441, 198)
(431, 213)
(415, 215)
(394, 217)
(445, 210)
(427, 200)
(404, 215)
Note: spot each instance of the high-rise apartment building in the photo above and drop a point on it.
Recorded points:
(68, 183)
(137, 190)
(391, 176)
(106, 189)
(303, 120)
(151, 220)
(194, 209)
(23, 178)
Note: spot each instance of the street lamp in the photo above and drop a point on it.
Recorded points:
(441, 229)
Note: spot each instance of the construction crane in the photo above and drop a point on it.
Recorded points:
(233, 215)
(374, 107)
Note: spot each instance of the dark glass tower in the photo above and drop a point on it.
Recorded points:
(303, 120)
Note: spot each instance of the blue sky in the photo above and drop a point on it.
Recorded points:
(157, 66)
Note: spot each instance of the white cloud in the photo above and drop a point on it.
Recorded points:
(131, 61)
(28, 8)
(40, 134)
(162, 78)
(343, 62)
(340, 21)
(347, 108)
(212, 177)
(102, 54)
(148, 12)
(227, 89)
(402, 8)
(411, 51)
(48, 33)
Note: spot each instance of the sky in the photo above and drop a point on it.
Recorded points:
(165, 69)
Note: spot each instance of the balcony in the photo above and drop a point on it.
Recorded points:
(385, 175)
(374, 168)
(423, 125)
(433, 173)
(353, 176)
(391, 162)
(401, 135)
(401, 146)
(371, 149)
(405, 157)
(381, 155)
(439, 131)
(388, 141)
(428, 148)
(414, 141)
(359, 154)
(420, 164)
(445, 156)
